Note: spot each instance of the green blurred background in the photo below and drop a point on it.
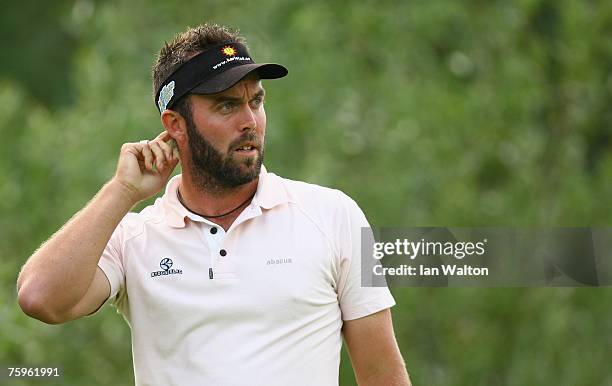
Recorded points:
(448, 113)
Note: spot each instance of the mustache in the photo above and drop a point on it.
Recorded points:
(247, 137)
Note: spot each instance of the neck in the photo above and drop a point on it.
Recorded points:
(214, 200)
(206, 184)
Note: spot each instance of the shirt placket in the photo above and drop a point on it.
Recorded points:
(222, 265)
(222, 257)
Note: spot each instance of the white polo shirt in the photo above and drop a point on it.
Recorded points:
(260, 304)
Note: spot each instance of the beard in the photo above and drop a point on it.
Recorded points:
(213, 170)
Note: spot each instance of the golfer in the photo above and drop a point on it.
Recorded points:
(235, 276)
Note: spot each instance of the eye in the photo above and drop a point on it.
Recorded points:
(227, 107)
(257, 102)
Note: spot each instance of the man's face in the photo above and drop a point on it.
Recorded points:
(226, 135)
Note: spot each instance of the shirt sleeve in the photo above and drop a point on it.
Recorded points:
(355, 300)
(111, 263)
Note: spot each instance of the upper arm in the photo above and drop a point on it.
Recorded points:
(96, 295)
(374, 353)
(356, 296)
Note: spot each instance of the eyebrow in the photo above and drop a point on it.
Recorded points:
(227, 98)
(260, 93)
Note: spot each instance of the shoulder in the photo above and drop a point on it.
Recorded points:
(320, 201)
(134, 224)
(312, 194)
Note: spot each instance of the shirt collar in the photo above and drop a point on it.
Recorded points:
(270, 193)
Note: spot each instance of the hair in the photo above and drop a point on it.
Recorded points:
(186, 45)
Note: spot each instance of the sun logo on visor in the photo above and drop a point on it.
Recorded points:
(228, 51)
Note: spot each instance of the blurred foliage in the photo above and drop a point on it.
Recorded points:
(473, 113)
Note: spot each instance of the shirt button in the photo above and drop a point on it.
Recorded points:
(223, 252)
(213, 230)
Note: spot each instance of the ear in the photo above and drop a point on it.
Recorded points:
(175, 125)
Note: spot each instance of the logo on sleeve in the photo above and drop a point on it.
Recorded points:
(166, 265)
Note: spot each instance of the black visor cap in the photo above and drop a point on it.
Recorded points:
(230, 77)
(213, 71)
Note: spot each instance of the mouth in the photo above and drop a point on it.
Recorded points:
(247, 148)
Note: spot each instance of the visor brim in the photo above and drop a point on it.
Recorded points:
(229, 78)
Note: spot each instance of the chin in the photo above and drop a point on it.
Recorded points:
(251, 170)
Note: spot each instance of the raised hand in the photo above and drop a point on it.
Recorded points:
(145, 166)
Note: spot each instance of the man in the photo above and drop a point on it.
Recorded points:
(235, 276)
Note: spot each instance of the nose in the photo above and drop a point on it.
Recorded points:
(248, 121)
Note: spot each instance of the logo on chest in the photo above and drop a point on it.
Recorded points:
(166, 265)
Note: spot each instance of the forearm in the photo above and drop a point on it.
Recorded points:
(390, 375)
(59, 273)
(374, 352)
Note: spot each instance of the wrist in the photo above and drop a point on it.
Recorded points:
(129, 194)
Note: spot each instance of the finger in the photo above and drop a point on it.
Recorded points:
(160, 156)
(166, 139)
(164, 136)
(172, 143)
(171, 165)
(148, 156)
(166, 148)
